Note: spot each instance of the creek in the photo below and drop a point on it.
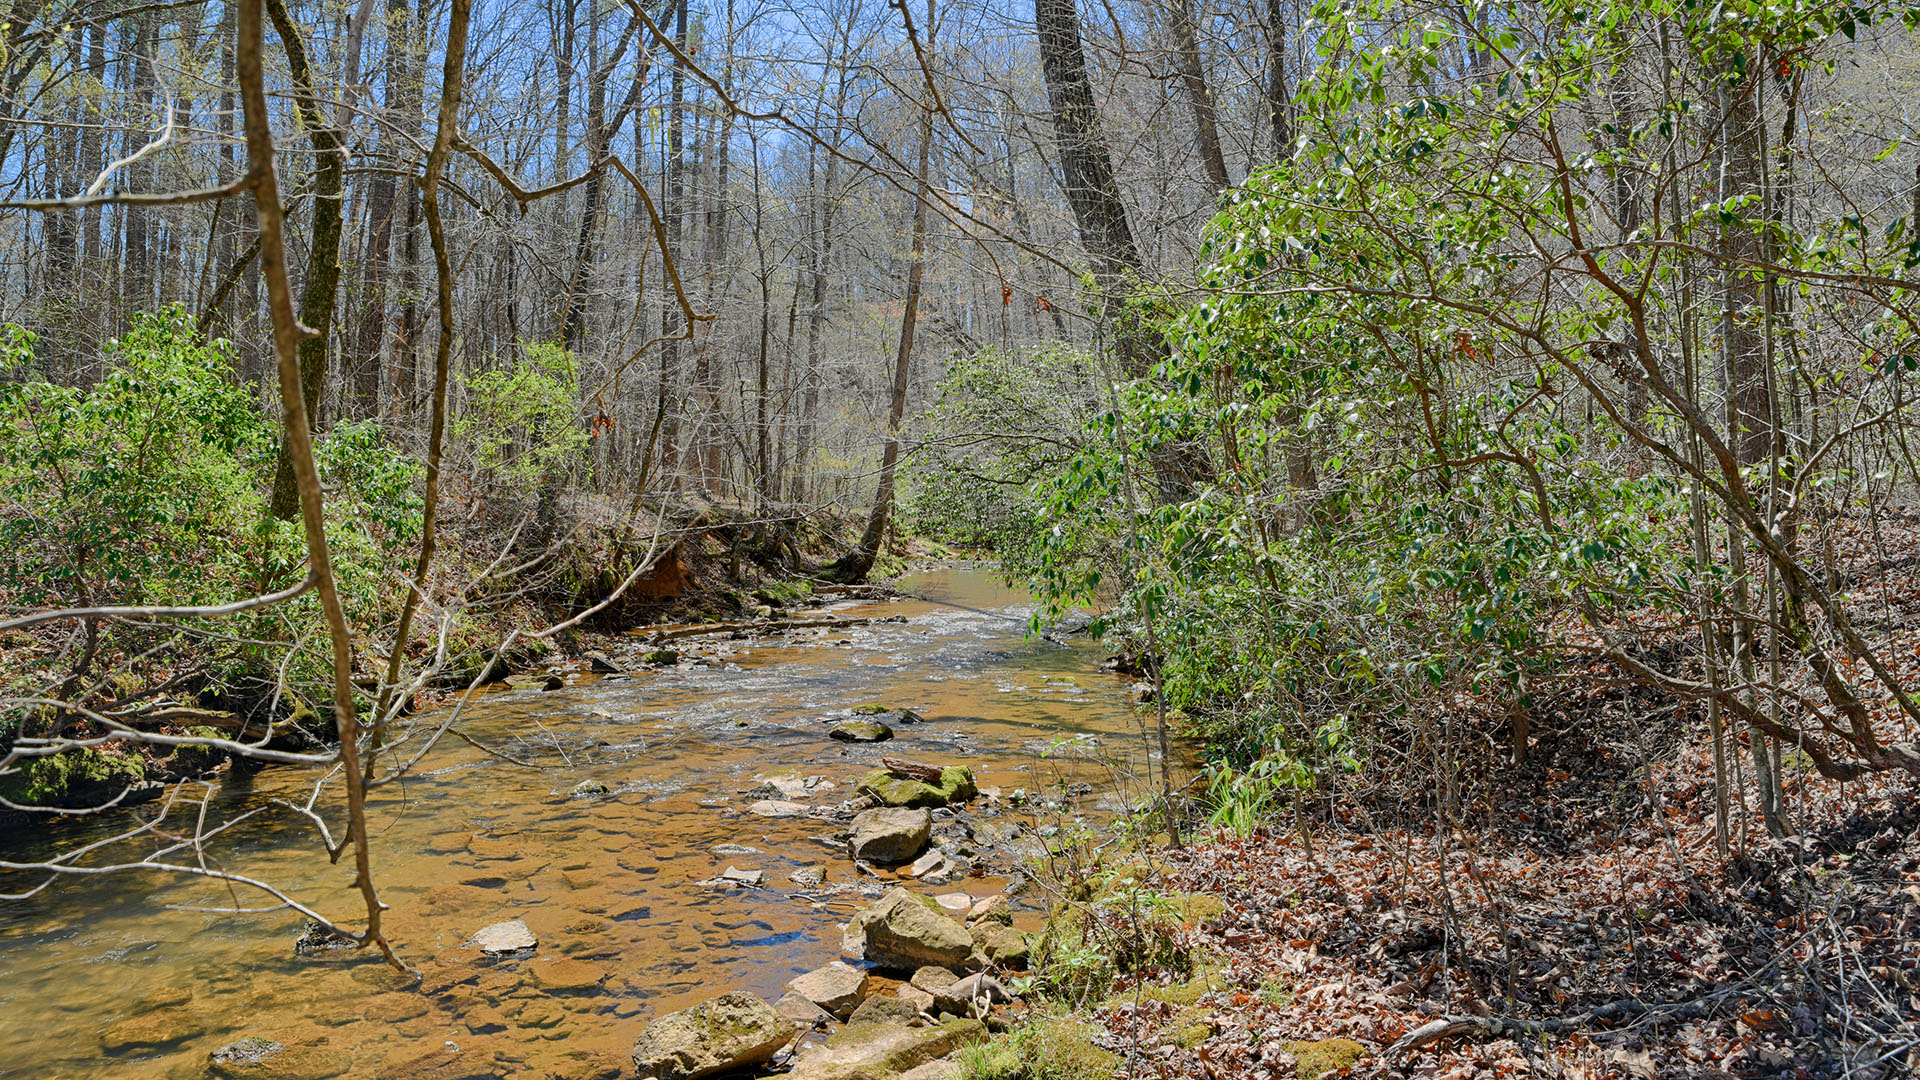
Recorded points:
(118, 976)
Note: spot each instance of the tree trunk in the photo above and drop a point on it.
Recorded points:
(1206, 128)
(323, 251)
(855, 566)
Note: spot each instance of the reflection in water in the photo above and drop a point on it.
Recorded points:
(100, 977)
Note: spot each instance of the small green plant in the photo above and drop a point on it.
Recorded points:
(1243, 799)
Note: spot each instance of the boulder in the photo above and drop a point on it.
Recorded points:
(955, 901)
(930, 864)
(503, 937)
(889, 836)
(884, 1010)
(883, 1051)
(733, 1031)
(956, 785)
(904, 932)
(587, 789)
(994, 908)
(805, 1014)
(1003, 946)
(933, 979)
(837, 988)
(600, 663)
(916, 997)
(861, 731)
(255, 1058)
(661, 657)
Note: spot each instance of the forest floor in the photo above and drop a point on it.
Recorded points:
(1574, 918)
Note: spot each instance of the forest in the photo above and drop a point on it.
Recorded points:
(1293, 538)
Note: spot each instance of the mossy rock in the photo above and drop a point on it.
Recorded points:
(870, 710)
(661, 657)
(956, 785)
(783, 593)
(1323, 1057)
(74, 778)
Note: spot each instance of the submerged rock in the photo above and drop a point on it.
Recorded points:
(956, 785)
(889, 836)
(150, 1030)
(837, 988)
(586, 789)
(504, 937)
(904, 932)
(255, 1058)
(736, 1030)
(861, 731)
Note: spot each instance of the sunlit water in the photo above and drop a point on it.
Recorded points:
(611, 885)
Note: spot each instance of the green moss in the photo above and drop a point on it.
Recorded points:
(995, 1060)
(47, 780)
(784, 593)
(1191, 1029)
(1185, 993)
(1064, 1050)
(1049, 1048)
(1324, 1057)
(956, 785)
(870, 710)
(197, 760)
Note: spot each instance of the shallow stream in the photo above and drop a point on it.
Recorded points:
(111, 977)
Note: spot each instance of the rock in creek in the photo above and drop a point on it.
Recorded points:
(150, 1031)
(884, 1010)
(904, 932)
(861, 731)
(587, 789)
(916, 997)
(956, 785)
(889, 836)
(778, 808)
(802, 1012)
(600, 663)
(882, 1051)
(255, 1058)
(504, 937)
(930, 864)
(994, 908)
(733, 1031)
(1003, 946)
(837, 988)
(735, 878)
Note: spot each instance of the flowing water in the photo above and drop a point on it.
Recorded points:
(118, 976)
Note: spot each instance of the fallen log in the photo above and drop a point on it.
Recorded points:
(1493, 1027)
(767, 626)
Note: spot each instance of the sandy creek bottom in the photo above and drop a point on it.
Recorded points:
(610, 886)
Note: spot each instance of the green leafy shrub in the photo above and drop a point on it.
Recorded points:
(522, 422)
(108, 488)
